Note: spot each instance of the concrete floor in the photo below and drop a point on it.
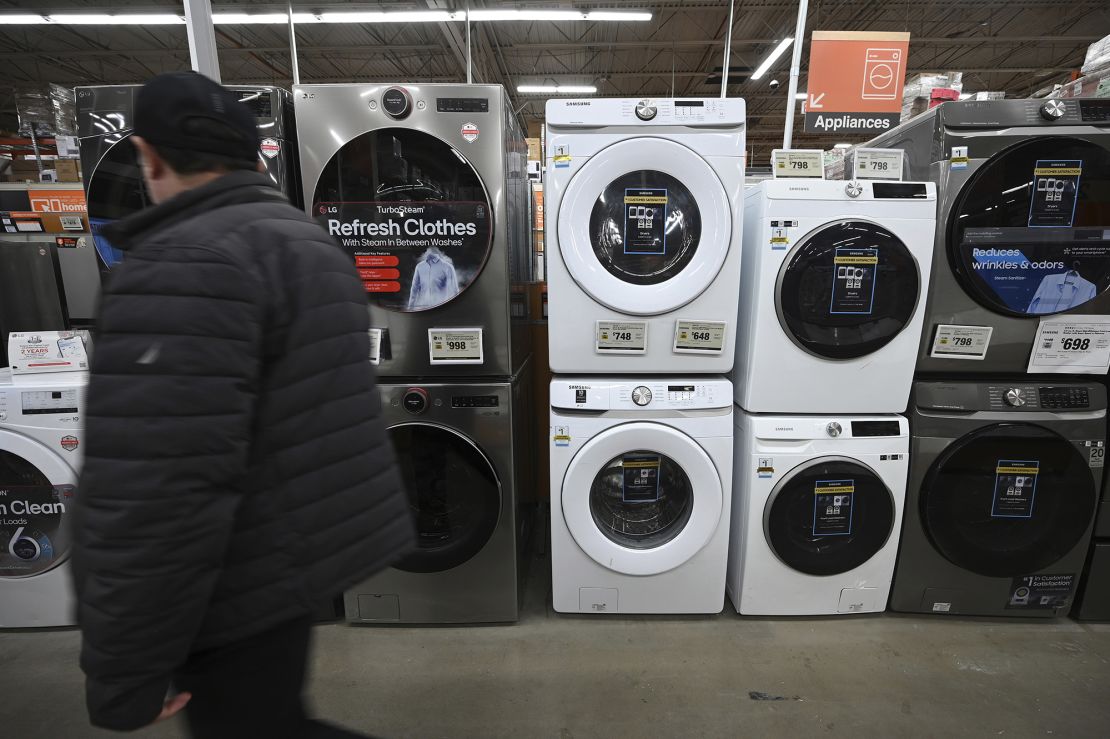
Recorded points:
(571, 677)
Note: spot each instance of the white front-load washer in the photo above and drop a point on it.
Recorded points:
(817, 513)
(832, 295)
(645, 207)
(40, 457)
(641, 481)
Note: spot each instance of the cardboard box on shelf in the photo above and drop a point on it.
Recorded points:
(67, 170)
(534, 150)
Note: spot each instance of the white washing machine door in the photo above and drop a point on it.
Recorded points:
(642, 498)
(645, 226)
(37, 491)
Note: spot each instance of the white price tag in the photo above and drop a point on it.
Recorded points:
(1072, 344)
(455, 346)
(620, 337)
(878, 164)
(46, 351)
(798, 163)
(67, 146)
(699, 337)
(71, 223)
(375, 346)
(961, 342)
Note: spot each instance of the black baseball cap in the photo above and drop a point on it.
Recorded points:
(188, 111)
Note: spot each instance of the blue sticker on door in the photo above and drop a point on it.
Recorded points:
(833, 503)
(1015, 488)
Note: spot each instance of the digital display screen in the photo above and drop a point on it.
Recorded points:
(875, 428)
(462, 105)
(689, 103)
(680, 388)
(899, 190)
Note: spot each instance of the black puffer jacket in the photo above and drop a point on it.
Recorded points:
(236, 470)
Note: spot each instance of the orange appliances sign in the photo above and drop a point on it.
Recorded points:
(855, 81)
(57, 201)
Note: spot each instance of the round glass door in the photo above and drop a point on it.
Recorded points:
(847, 290)
(116, 190)
(454, 494)
(1008, 500)
(644, 226)
(1029, 234)
(642, 498)
(828, 516)
(34, 525)
(413, 213)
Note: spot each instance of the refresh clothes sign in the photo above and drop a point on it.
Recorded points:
(412, 256)
(855, 81)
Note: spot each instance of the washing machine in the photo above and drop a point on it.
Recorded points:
(113, 181)
(426, 186)
(817, 508)
(1093, 600)
(644, 215)
(1004, 480)
(466, 455)
(832, 295)
(40, 458)
(641, 488)
(1023, 227)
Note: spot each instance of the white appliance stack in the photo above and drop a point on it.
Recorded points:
(832, 300)
(643, 233)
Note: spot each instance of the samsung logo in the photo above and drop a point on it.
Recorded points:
(580, 387)
(784, 428)
(798, 189)
(579, 104)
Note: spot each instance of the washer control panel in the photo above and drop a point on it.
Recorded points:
(1017, 397)
(1064, 397)
(654, 395)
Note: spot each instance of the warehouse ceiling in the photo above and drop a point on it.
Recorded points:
(1016, 46)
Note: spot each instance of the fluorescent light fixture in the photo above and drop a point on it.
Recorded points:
(410, 16)
(557, 89)
(124, 19)
(842, 146)
(774, 57)
(558, 15)
(254, 19)
(21, 20)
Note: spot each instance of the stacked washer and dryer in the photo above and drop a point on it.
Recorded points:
(832, 302)
(643, 230)
(425, 186)
(1007, 466)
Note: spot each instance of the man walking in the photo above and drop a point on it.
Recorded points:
(236, 471)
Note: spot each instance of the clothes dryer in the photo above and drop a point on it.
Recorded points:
(426, 186)
(641, 488)
(40, 458)
(832, 295)
(643, 227)
(1093, 600)
(1023, 229)
(113, 181)
(465, 453)
(1004, 480)
(816, 513)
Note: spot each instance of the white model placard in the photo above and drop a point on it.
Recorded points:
(699, 337)
(961, 342)
(375, 345)
(33, 352)
(878, 164)
(455, 346)
(798, 163)
(620, 337)
(1072, 344)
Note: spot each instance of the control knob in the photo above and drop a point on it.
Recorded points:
(834, 429)
(415, 400)
(1053, 110)
(396, 102)
(1015, 397)
(641, 395)
(645, 111)
(853, 189)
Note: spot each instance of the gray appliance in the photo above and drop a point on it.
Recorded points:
(466, 457)
(113, 182)
(1093, 603)
(1023, 228)
(1003, 485)
(30, 277)
(426, 187)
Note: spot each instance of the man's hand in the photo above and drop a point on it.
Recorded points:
(173, 706)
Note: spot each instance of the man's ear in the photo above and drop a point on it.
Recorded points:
(154, 167)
